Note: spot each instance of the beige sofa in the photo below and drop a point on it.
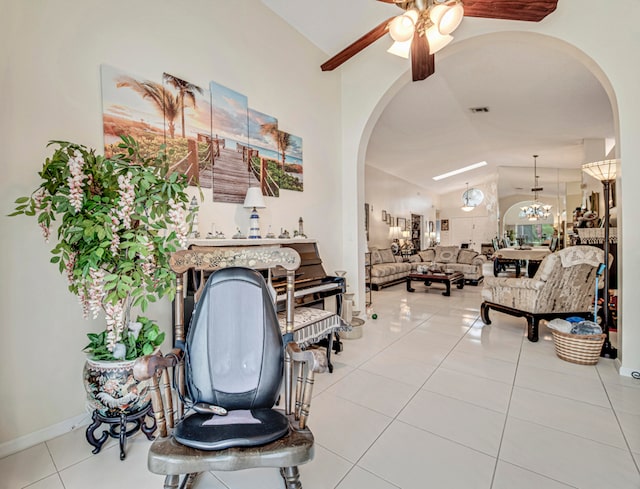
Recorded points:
(469, 262)
(387, 269)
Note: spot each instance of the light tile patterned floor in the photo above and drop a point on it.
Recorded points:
(428, 397)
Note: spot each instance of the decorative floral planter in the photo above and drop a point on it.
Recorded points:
(111, 388)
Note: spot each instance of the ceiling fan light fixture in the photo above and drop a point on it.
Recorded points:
(436, 40)
(401, 28)
(451, 18)
(401, 49)
(437, 12)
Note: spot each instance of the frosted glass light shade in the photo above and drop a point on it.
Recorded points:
(602, 170)
(401, 28)
(401, 49)
(451, 19)
(436, 40)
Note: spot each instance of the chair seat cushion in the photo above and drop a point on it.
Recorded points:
(239, 428)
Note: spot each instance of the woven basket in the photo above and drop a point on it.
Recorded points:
(583, 349)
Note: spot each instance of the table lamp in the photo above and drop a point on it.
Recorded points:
(254, 200)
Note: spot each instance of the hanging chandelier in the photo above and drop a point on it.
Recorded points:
(536, 210)
(468, 206)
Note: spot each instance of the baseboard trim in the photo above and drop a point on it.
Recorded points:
(626, 372)
(27, 441)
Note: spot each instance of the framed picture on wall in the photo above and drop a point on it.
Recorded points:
(366, 220)
(401, 222)
(431, 227)
(444, 225)
(384, 216)
(389, 219)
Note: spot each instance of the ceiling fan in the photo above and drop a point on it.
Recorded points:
(426, 26)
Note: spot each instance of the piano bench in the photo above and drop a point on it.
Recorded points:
(311, 325)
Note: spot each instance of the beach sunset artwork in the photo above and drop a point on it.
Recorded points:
(232, 174)
(289, 160)
(173, 113)
(187, 116)
(126, 113)
(264, 151)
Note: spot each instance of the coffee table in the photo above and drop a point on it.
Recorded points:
(437, 277)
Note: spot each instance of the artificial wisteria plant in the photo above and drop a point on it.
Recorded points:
(118, 220)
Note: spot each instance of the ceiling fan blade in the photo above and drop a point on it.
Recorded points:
(527, 10)
(423, 64)
(357, 46)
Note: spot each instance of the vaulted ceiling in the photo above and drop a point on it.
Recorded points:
(540, 100)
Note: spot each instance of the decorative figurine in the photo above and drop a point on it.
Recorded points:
(193, 207)
(301, 229)
(239, 234)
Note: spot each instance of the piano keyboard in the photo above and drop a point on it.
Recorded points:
(310, 290)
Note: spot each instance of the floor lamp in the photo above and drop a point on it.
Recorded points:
(605, 171)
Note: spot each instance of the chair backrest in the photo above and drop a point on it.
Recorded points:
(234, 351)
(570, 276)
(209, 259)
(494, 243)
(554, 244)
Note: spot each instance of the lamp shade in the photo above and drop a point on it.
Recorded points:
(436, 40)
(601, 170)
(254, 198)
(401, 28)
(401, 49)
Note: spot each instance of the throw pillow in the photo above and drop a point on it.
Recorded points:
(466, 256)
(427, 255)
(387, 256)
(446, 254)
(415, 259)
(375, 257)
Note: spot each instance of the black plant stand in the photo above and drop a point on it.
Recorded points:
(118, 428)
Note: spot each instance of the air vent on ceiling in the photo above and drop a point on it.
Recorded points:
(476, 110)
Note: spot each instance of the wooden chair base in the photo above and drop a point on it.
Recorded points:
(168, 457)
(533, 319)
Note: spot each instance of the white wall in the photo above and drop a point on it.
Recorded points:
(570, 27)
(474, 227)
(50, 89)
(398, 197)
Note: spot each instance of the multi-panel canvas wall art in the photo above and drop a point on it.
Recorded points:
(209, 133)
(263, 131)
(230, 132)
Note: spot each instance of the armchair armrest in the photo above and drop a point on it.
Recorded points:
(296, 359)
(155, 369)
(148, 366)
(479, 260)
(315, 359)
(514, 283)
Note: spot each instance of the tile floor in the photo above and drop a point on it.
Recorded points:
(428, 397)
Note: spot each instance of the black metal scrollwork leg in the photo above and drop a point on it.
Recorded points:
(118, 428)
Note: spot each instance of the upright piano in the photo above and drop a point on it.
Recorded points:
(312, 284)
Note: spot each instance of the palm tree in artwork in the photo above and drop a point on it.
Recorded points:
(168, 104)
(186, 90)
(281, 138)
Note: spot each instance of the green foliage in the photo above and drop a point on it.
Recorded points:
(144, 343)
(94, 236)
(283, 179)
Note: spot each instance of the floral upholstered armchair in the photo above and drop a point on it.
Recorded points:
(563, 286)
